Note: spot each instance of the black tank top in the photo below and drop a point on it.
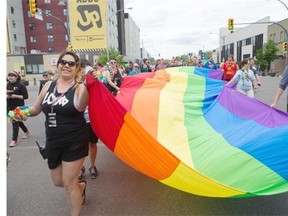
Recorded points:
(71, 125)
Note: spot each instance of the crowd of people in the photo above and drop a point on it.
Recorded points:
(63, 98)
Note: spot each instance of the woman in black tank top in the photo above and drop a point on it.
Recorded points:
(63, 102)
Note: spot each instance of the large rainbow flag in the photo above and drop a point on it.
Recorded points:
(184, 128)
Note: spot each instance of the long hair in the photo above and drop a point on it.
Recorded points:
(78, 76)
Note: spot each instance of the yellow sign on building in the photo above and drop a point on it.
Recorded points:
(88, 25)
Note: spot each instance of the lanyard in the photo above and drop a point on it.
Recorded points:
(56, 99)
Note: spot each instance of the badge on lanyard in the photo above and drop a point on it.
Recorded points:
(52, 120)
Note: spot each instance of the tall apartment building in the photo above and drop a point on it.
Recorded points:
(15, 28)
(49, 32)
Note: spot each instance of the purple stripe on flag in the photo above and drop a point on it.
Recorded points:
(250, 108)
(216, 74)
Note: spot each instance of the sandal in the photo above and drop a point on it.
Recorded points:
(81, 175)
(84, 191)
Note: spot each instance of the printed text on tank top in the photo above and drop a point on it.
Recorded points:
(51, 99)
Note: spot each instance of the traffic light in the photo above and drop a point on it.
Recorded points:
(33, 7)
(284, 47)
(231, 24)
(69, 47)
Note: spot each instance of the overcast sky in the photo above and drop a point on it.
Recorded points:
(178, 27)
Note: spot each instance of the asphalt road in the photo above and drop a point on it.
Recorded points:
(119, 189)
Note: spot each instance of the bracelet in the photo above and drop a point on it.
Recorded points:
(20, 113)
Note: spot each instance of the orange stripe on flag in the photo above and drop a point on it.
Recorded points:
(142, 152)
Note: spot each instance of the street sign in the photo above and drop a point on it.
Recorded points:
(39, 14)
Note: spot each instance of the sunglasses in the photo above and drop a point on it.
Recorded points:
(11, 75)
(112, 62)
(70, 63)
(45, 75)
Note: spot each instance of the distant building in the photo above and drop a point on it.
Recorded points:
(244, 42)
(277, 33)
(133, 50)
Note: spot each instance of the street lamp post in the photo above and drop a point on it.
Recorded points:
(283, 4)
(61, 3)
(66, 29)
(221, 43)
(286, 33)
(107, 28)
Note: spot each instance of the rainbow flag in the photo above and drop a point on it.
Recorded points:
(184, 128)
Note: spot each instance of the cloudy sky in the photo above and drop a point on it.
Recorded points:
(177, 27)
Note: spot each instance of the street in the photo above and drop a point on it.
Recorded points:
(118, 189)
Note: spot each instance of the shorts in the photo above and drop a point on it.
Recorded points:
(92, 136)
(73, 152)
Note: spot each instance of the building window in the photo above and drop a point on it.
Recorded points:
(51, 49)
(13, 23)
(12, 10)
(31, 26)
(65, 12)
(34, 68)
(32, 39)
(258, 42)
(248, 41)
(50, 38)
(47, 1)
(49, 25)
(48, 12)
(15, 37)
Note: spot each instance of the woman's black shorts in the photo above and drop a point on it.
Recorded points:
(92, 136)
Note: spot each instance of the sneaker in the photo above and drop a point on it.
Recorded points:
(25, 136)
(13, 143)
(93, 172)
(81, 175)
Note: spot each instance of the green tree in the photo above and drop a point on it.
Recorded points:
(261, 60)
(184, 58)
(267, 54)
(113, 53)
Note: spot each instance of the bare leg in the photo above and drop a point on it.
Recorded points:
(92, 153)
(56, 175)
(74, 189)
(258, 80)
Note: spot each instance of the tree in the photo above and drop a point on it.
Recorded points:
(113, 53)
(266, 55)
(261, 60)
